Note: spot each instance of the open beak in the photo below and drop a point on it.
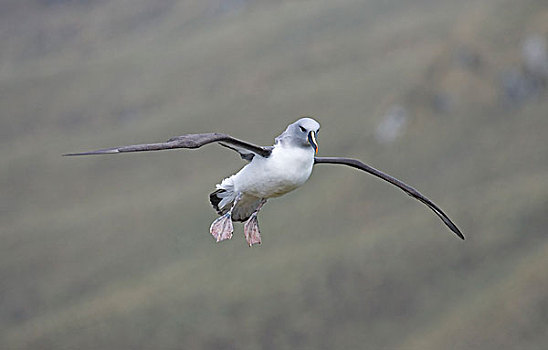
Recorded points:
(312, 140)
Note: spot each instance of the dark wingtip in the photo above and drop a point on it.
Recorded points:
(457, 232)
(450, 224)
(101, 151)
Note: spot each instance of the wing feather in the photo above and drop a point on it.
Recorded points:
(184, 141)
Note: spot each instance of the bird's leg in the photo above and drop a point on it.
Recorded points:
(222, 227)
(251, 227)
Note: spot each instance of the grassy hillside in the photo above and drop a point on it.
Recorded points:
(114, 251)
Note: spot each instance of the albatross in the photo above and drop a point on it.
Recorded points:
(271, 171)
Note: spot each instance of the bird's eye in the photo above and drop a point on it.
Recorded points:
(302, 128)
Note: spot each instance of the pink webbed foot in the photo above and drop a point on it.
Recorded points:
(251, 230)
(222, 228)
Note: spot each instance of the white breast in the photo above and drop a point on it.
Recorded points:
(286, 169)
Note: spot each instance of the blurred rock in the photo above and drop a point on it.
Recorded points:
(443, 102)
(534, 54)
(519, 85)
(392, 125)
(516, 87)
(467, 58)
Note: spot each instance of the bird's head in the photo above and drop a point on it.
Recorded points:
(302, 133)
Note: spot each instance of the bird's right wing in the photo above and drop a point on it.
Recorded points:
(354, 163)
(186, 141)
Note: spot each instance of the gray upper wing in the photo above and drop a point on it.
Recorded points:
(184, 141)
(245, 153)
(403, 186)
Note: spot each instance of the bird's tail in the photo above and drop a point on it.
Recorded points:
(218, 197)
(224, 196)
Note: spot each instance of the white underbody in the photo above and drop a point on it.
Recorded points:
(286, 169)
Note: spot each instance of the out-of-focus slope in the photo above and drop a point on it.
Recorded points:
(510, 314)
(113, 252)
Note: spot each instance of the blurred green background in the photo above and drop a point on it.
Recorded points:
(114, 252)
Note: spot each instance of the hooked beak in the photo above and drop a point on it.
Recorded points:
(312, 140)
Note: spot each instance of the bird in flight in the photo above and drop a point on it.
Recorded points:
(271, 171)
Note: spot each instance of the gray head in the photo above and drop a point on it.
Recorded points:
(302, 133)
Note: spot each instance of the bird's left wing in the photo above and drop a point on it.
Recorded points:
(403, 186)
(185, 141)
